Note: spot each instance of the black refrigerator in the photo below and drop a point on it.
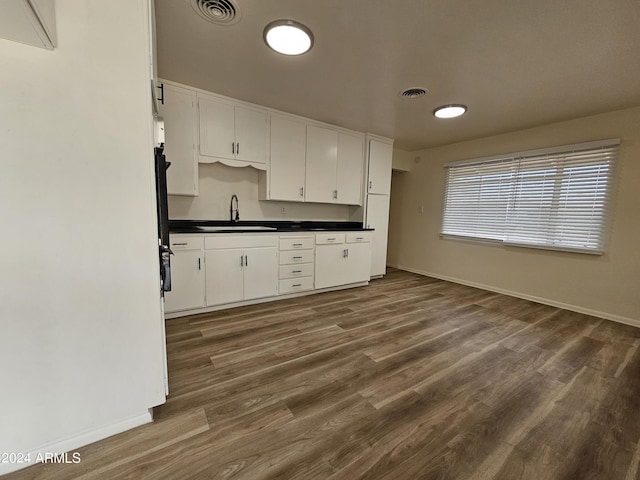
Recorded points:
(163, 219)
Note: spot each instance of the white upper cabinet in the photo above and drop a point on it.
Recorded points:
(380, 157)
(322, 163)
(251, 135)
(287, 164)
(217, 129)
(178, 109)
(350, 167)
(31, 22)
(232, 134)
(334, 166)
(304, 160)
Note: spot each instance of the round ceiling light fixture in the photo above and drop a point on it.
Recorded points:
(288, 37)
(450, 111)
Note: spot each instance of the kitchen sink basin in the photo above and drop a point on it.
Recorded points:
(235, 227)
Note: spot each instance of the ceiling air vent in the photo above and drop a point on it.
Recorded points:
(221, 12)
(413, 92)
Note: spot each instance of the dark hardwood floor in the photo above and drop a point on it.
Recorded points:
(407, 378)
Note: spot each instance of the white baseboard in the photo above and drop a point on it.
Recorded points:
(575, 308)
(69, 444)
(225, 306)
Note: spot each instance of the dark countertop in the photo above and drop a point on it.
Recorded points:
(246, 226)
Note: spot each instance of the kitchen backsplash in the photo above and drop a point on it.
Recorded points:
(218, 182)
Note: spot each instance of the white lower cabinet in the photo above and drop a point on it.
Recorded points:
(378, 219)
(224, 269)
(225, 276)
(342, 259)
(187, 274)
(296, 264)
(260, 272)
(235, 274)
(178, 108)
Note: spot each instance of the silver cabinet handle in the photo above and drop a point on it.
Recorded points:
(347, 253)
(296, 258)
(297, 244)
(370, 184)
(344, 253)
(199, 266)
(233, 148)
(238, 148)
(359, 238)
(178, 244)
(302, 191)
(246, 261)
(335, 194)
(242, 260)
(296, 285)
(296, 271)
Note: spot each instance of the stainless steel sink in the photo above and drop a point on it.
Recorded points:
(235, 227)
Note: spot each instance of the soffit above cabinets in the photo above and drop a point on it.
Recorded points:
(515, 65)
(29, 21)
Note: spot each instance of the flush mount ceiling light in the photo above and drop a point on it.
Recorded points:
(288, 37)
(450, 111)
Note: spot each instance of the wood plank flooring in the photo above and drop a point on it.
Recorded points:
(408, 378)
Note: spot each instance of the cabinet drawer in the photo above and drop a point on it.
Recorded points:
(186, 242)
(327, 238)
(296, 243)
(295, 285)
(293, 271)
(292, 256)
(358, 237)
(240, 241)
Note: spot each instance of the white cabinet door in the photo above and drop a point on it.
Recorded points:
(187, 281)
(181, 129)
(358, 262)
(217, 128)
(331, 265)
(251, 135)
(350, 167)
(260, 272)
(287, 165)
(224, 274)
(322, 159)
(378, 218)
(380, 157)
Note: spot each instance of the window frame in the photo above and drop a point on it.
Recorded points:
(551, 172)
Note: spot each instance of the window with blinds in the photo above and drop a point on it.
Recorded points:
(555, 198)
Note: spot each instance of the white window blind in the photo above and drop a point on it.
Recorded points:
(554, 198)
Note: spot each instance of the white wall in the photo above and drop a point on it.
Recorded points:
(218, 182)
(607, 285)
(402, 160)
(81, 333)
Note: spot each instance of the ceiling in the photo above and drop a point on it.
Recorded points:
(515, 64)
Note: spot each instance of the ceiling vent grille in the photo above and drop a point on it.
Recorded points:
(221, 12)
(414, 92)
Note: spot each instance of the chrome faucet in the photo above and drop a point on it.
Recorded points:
(237, 216)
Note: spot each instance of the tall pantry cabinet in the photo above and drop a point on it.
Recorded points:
(379, 156)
